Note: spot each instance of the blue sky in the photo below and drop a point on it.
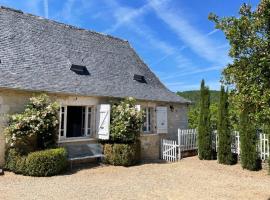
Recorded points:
(175, 38)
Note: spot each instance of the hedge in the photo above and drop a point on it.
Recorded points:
(40, 163)
(122, 154)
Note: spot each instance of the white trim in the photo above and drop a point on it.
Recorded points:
(64, 138)
(148, 126)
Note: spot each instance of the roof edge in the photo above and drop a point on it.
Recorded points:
(82, 95)
(62, 24)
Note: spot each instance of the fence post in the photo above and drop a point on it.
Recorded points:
(179, 144)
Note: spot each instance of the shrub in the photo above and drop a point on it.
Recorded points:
(46, 163)
(40, 163)
(126, 121)
(248, 141)
(204, 130)
(11, 159)
(122, 154)
(225, 155)
(34, 128)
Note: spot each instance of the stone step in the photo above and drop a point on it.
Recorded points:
(84, 151)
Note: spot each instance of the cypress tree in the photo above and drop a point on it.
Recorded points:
(204, 129)
(224, 134)
(248, 142)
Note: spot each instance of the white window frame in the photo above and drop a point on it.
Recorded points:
(88, 128)
(149, 126)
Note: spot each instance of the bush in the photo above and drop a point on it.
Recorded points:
(40, 163)
(126, 122)
(14, 160)
(122, 154)
(46, 163)
(36, 128)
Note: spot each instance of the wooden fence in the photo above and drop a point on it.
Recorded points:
(171, 149)
(187, 140)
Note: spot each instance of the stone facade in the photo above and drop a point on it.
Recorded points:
(13, 101)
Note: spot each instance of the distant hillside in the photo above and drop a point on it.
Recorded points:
(194, 95)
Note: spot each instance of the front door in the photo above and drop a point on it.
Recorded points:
(75, 121)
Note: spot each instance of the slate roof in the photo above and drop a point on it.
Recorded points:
(36, 55)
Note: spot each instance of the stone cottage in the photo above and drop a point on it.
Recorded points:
(82, 70)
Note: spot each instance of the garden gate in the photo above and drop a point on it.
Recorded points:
(171, 149)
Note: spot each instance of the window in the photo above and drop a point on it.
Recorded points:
(75, 121)
(78, 69)
(62, 119)
(139, 78)
(147, 127)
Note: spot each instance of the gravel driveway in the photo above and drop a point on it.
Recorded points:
(187, 179)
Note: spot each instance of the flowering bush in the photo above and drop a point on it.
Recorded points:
(36, 127)
(126, 121)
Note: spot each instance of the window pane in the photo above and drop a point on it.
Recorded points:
(149, 119)
(62, 120)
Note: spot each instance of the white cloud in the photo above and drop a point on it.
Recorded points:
(128, 17)
(191, 72)
(187, 33)
(212, 32)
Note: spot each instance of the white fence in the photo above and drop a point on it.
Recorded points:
(262, 147)
(187, 140)
(171, 149)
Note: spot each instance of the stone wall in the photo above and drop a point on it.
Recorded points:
(10, 102)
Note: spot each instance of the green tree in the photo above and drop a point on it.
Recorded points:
(248, 142)
(204, 129)
(224, 133)
(249, 73)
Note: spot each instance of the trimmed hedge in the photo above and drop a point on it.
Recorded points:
(40, 163)
(122, 154)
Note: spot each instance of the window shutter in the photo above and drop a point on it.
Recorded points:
(103, 121)
(162, 121)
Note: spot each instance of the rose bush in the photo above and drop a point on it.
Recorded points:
(36, 127)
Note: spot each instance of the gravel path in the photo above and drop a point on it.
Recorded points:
(187, 179)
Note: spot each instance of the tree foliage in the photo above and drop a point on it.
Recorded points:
(224, 133)
(249, 73)
(204, 129)
(194, 96)
(248, 142)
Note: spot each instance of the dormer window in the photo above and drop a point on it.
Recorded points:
(139, 78)
(79, 69)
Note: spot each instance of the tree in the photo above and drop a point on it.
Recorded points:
(204, 129)
(224, 134)
(248, 142)
(249, 73)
